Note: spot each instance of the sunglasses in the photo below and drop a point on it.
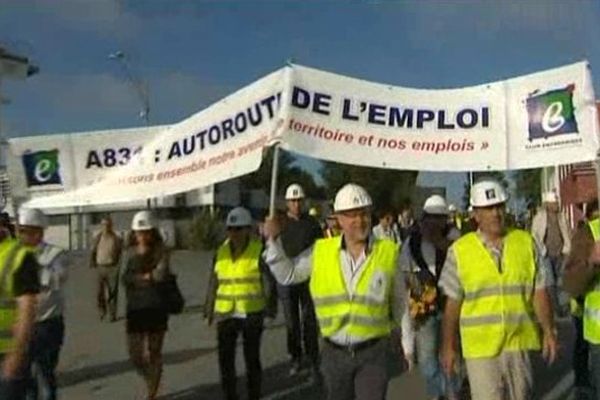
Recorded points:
(236, 228)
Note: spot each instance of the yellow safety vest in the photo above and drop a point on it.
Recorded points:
(366, 313)
(591, 313)
(497, 308)
(11, 258)
(240, 287)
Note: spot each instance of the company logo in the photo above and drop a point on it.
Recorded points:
(42, 168)
(490, 194)
(551, 113)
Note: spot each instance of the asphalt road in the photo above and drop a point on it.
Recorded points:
(94, 362)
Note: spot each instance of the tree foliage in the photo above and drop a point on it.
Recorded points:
(288, 173)
(529, 185)
(388, 188)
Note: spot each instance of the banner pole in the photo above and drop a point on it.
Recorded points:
(597, 168)
(274, 173)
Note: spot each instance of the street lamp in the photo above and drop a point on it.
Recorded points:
(141, 90)
(138, 85)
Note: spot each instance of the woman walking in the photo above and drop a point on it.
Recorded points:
(147, 266)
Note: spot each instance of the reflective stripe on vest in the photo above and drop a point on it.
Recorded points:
(365, 314)
(11, 258)
(240, 288)
(591, 308)
(497, 308)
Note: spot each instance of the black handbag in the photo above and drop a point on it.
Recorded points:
(171, 295)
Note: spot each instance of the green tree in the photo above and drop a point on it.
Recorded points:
(387, 187)
(529, 185)
(288, 173)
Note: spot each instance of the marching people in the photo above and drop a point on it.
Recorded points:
(358, 292)
(549, 227)
(239, 297)
(495, 282)
(19, 287)
(405, 222)
(387, 228)
(581, 281)
(299, 233)
(105, 257)
(49, 329)
(147, 318)
(422, 258)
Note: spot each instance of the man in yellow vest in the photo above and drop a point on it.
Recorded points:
(19, 286)
(49, 329)
(581, 280)
(358, 292)
(496, 284)
(238, 296)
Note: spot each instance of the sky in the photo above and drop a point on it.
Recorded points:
(190, 54)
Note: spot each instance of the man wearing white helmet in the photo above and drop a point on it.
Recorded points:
(49, 328)
(19, 286)
(239, 297)
(422, 258)
(495, 282)
(549, 227)
(299, 233)
(359, 296)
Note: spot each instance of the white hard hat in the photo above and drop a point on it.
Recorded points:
(487, 193)
(238, 217)
(452, 208)
(435, 205)
(32, 217)
(143, 221)
(550, 197)
(294, 192)
(351, 196)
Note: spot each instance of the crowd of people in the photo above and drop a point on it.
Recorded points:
(468, 299)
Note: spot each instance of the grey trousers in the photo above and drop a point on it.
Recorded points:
(508, 376)
(363, 375)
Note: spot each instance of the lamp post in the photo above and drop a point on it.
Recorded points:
(140, 88)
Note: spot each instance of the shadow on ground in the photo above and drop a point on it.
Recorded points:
(93, 372)
(277, 384)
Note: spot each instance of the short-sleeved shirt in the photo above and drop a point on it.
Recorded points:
(450, 283)
(26, 279)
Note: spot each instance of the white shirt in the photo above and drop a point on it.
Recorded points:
(53, 275)
(287, 272)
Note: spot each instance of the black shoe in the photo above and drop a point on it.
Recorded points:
(315, 377)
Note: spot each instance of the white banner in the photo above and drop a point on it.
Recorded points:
(543, 119)
(221, 142)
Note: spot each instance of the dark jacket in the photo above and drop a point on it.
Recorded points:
(141, 293)
(269, 288)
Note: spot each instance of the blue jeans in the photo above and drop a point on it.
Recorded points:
(428, 342)
(45, 348)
